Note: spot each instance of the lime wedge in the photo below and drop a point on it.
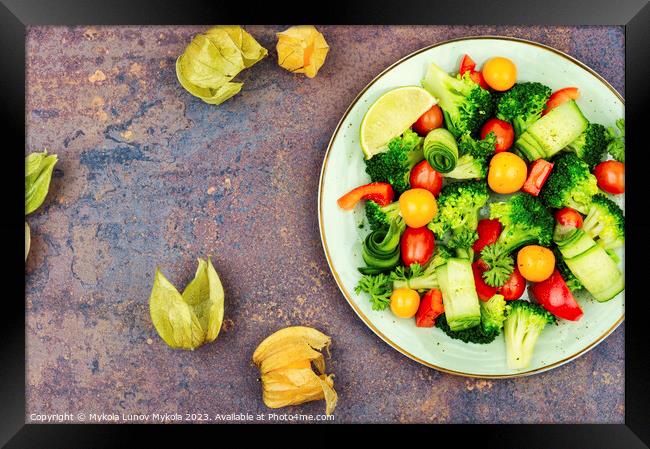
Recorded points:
(392, 114)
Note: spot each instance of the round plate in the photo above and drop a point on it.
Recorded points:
(343, 169)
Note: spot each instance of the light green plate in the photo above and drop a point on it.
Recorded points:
(343, 169)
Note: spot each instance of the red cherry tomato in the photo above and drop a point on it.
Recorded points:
(417, 245)
(504, 133)
(430, 307)
(569, 217)
(488, 232)
(611, 176)
(484, 291)
(514, 286)
(428, 121)
(423, 176)
(561, 96)
(467, 64)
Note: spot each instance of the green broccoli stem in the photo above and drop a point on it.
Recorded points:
(468, 168)
(512, 238)
(465, 253)
(419, 283)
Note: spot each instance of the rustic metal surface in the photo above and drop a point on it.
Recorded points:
(149, 175)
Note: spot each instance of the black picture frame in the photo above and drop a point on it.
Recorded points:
(16, 15)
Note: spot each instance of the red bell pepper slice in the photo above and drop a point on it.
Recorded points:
(477, 77)
(467, 64)
(561, 96)
(554, 295)
(430, 308)
(538, 173)
(379, 192)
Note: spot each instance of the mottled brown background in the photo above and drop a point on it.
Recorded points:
(149, 175)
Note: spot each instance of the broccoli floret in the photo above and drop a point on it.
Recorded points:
(616, 146)
(474, 159)
(458, 206)
(605, 222)
(525, 220)
(492, 318)
(523, 325)
(421, 278)
(461, 241)
(379, 287)
(522, 105)
(493, 314)
(591, 145)
(569, 278)
(477, 334)
(465, 105)
(394, 165)
(570, 184)
(380, 217)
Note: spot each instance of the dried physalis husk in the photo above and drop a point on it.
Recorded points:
(287, 360)
(210, 62)
(190, 319)
(302, 49)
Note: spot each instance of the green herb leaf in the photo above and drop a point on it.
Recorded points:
(38, 173)
(189, 320)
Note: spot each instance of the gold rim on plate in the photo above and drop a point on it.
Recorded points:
(347, 295)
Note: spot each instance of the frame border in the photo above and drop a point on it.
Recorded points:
(634, 15)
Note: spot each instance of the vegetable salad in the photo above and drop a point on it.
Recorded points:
(431, 257)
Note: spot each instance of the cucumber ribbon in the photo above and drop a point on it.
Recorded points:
(380, 249)
(441, 150)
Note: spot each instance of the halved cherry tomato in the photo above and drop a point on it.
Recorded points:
(429, 121)
(418, 207)
(488, 233)
(423, 176)
(417, 245)
(561, 96)
(430, 308)
(379, 192)
(554, 295)
(569, 217)
(514, 286)
(536, 263)
(538, 173)
(611, 176)
(404, 302)
(484, 291)
(503, 131)
(500, 73)
(467, 64)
